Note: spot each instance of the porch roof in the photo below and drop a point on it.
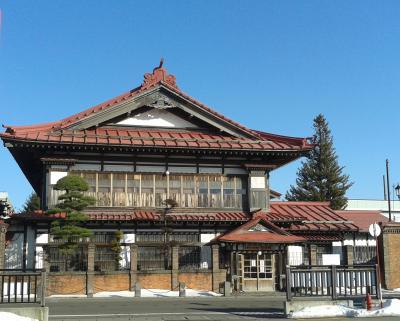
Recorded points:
(270, 234)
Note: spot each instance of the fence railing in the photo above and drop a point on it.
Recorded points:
(337, 282)
(22, 286)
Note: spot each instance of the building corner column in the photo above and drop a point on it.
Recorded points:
(91, 250)
(133, 266)
(175, 267)
(3, 231)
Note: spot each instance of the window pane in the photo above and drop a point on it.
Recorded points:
(202, 193)
(147, 197)
(229, 191)
(119, 196)
(161, 190)
(133, 187)
(215, 191)
(189, 194)
(104, 190)
(175, 188)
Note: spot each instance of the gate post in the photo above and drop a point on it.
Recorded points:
(215, 267)
(42, 288)
(133, 266)
(91, 251)
(333, 282)
(288, 284)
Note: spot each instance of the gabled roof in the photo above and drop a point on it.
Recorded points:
(86, 127)
(272, 234)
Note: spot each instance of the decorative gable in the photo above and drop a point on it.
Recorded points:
(158, 118)
(259, 228)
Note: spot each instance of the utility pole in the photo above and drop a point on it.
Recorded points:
(388, 189)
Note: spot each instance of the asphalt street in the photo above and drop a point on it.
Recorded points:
(171, 309)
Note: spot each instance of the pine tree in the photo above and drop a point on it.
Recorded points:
(32, 203)
(69, 229)
(320, 178)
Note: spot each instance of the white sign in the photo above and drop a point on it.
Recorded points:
(258, 182)
(330, 259)
(374, 230)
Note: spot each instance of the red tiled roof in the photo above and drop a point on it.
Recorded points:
(363, 219)
(322, 237)
(314, 216)
(58, 132)
(146, 137)
(242, 234)
(113, 214)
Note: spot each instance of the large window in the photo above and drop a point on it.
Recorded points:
(151, 190)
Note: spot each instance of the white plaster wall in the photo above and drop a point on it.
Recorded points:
(295, 255)
(129, 238)
(55, 176)
(42, 238)
(157, 118)
(207, 237)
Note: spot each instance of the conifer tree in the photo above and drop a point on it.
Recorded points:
(32, 203)
(69, 228)
(320, 178)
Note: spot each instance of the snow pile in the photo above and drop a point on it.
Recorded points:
(390, 308)
(323, 311)
(7, 316)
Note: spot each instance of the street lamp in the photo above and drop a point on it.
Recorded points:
(397, 189)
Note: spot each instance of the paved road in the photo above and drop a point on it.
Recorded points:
(172, 309)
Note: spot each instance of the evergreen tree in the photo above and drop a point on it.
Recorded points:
(32, 203)
(69, 228)
(320, 178)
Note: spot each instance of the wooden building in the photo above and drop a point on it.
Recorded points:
(155, 143)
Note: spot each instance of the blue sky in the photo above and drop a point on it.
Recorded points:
(271, 65)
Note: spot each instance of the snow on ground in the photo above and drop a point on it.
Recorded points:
(146, 293)
(390, 308)
(7, 316)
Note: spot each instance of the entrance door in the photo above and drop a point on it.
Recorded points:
(257, 272)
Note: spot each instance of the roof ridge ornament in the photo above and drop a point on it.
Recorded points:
(159, 75)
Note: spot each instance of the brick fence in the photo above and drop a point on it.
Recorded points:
(92, 282)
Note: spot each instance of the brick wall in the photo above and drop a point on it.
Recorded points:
(76, 282)
(197, 280)
(390, 258)
(66, 283)
(155, 280)
(111, 282)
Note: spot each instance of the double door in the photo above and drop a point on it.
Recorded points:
(257, 272)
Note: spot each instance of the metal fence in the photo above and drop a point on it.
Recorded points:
(22, 286)
(338, 282)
